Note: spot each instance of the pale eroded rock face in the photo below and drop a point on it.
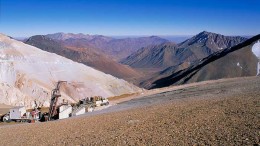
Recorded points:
(28, 74)
(256, 51)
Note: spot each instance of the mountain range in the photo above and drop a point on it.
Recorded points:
(116, 48)
(236, 61)
(86, 55)
(159, 60)
(170, 54)
(29, 71)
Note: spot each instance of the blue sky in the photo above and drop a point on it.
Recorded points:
(19, 18)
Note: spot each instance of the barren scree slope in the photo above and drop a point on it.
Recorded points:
(223, 112)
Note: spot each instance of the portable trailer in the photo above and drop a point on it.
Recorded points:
(19, 114)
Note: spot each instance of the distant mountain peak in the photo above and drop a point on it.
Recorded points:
(236, 61)
(207, 34)
(212, 41)
(153, 36)
(204, 32)
(65, 36)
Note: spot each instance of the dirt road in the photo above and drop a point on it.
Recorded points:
(225, 112)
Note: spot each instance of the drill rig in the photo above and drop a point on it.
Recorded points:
(55, 94)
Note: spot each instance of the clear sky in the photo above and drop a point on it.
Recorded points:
(19, 18)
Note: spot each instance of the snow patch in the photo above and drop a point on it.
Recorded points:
(256, 49)
(238, 64)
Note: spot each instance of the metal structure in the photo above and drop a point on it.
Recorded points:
(65, 109)
(55, 94)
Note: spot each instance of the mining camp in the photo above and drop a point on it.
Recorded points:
(58, 109)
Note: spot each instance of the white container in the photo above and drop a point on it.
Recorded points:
(17, 112)
(65, 111)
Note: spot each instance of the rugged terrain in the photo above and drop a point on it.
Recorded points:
(86, 55)
(206, 43)
(28, 74)
(223, 112)
(116, 48)
(237, 61)
(170, 54)
(158, 61)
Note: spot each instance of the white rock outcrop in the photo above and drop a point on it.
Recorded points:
(28, 74)
(256, 51)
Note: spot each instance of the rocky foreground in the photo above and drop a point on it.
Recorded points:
(221, 112)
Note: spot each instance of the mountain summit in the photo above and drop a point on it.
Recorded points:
(65, 36)
(167, 58)
(237, 61)
(205, 43)
(169, 54)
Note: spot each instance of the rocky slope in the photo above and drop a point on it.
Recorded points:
(87, 55)
(161, 60)
(214, 113)
(116, 48)
(206, 43)
(28, 74)
(169, 54)
(237, 61)
(159, 56)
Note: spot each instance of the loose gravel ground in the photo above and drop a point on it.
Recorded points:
(215, 113)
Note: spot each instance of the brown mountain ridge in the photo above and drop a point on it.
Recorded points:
(167, 58)
(237, 61)
(87, 55)
(115, 48)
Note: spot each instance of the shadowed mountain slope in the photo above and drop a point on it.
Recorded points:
(162, 60)
(236, 61)
(159, 56)
(169, 54)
